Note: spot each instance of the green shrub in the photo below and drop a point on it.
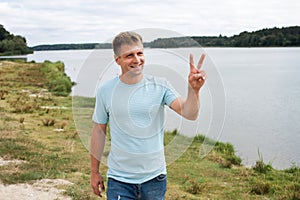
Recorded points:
(260, 166)
(261, 188)
(293, 169)
(225, 148)
(57, 81)
(194, 187)
(233, 159)
(228, 151)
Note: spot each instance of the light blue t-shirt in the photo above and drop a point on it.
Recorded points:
(135, 113)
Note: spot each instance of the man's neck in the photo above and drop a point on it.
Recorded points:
(131, 79)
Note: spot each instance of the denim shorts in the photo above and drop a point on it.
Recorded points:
(153, 189)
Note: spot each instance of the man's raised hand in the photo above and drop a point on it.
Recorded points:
(196, 76)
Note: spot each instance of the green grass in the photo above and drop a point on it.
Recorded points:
(57, 82)
(50, 154)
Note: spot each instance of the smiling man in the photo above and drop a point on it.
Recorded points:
(133, 105)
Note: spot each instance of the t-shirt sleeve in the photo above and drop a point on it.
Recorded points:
(100, 115)
(170, 94)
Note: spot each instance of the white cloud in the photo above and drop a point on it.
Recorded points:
(77, 21)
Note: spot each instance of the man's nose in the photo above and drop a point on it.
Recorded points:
(136, 58)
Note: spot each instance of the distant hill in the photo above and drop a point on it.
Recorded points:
(12, 44)
(274, 37)
(269, 37)
(49, 47)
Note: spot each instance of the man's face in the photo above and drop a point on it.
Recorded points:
(131, 59)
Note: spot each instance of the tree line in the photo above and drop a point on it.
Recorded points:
(269, 37)
(273, 37)
(12, 44)
(48, 47)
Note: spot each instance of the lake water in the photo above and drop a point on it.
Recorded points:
(251, 98)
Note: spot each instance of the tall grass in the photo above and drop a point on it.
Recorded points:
(57, 81)
(260, 166)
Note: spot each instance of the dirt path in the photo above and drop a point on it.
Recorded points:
(45, 189)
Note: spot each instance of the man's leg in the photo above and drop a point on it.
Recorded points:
(117, 190)
(154, 189)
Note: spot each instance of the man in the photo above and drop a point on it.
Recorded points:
(133, 105)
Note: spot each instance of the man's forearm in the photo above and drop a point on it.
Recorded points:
(97, 146)
(95, 164)
(191, 105)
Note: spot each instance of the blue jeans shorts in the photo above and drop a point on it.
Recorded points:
(153, 189)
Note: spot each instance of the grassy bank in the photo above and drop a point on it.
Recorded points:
(37, 126)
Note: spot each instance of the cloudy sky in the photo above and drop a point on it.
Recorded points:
(81, 21)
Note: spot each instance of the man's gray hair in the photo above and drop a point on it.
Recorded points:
(128, 37)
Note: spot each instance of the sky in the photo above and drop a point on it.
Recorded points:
(85, 21)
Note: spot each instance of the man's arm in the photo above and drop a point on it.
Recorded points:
(97, 147)
(189, 108)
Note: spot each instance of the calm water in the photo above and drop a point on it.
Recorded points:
(251, 99)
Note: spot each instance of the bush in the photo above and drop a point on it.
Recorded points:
(293, 169)
(229, 153)
(57, 81)
(260, 166)
(261, 188)
(233, 159)
(194, 187)
(61, 86)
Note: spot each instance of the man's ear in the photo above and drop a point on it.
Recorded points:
(117, 59)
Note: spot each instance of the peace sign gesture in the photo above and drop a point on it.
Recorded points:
(196, 76)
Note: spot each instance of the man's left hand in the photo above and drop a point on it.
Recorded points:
(196, 76)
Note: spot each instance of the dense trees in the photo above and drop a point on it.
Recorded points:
(269, 37)
(274, 37)
(47, 47)
(11, 44)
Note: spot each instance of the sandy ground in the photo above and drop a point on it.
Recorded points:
(45, 189)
